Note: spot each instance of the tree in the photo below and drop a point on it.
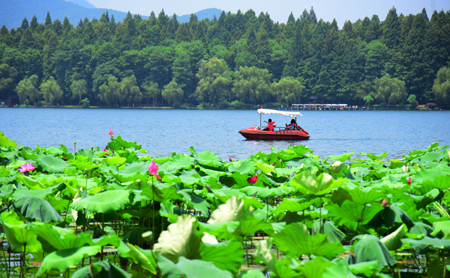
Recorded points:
(172, 93)
(129, 91)
(390, 90)
(214, 81)
(412, 100)
(110, 91)
(150, 90)
(252, 85)
(51, 91)
(27, 89)
(288, 90)
(79, 89)
(441, 87)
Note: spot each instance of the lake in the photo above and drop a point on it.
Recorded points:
(162, 132)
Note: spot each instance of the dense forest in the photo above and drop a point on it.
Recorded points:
(236, 60)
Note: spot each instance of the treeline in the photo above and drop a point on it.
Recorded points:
(237, 59)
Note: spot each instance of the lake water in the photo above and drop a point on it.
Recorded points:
(162, 132)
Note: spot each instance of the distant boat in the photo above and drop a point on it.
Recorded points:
(277, 133)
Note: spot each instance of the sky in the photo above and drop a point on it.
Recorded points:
(279, 10)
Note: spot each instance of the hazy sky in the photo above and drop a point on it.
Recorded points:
(279, 10)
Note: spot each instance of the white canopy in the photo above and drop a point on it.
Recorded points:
(283, 113)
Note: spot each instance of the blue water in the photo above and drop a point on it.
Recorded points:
(162, 132)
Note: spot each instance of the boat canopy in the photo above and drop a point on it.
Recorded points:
(283, 113)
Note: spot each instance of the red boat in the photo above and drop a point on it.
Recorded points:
(275, 133)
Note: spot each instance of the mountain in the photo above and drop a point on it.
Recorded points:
(14, 11)
(208, 13)
(83, 3)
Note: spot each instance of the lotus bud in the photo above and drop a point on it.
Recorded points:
(252, 180)
(110, 132)
(153, 169)
(409, 181)
(405, 168)
(384, 203)
(230, 159)
(208, 187)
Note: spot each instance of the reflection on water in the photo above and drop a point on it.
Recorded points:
(162, 132)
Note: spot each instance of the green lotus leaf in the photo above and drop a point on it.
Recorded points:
(375, 157)
(264, 192)
(366, 268)
(190, 269)
(83, 165)
(421, 245)
(246, 166)
(329, 229)
(295, 238)
(110, 239)
(233, 210)
(265, 168)
(342, 157)
(206, 158)
(115, 160)
(213, 173)
(420, 230)
(161, 192)
(101, 270)
(195, 201)
(250, 225)
(340, 195)
(131, 172)
(36, 208)
(393, 240)
(442, 182)
(25, 191)
(308, 183)
(51, 164)
(364, 196)
(220, 230)
(443, 227)
(315, 268)
(226, 255)
(264, 254)
(62, 260)
(144, 258)
(428, 174)
(178, 162)
(117, 143)
(350, 214)
(182, 239)
(27, 155)
(189, 178)
(104, 202)
(293, 205)
(19, 234)
(254, 273)
(31, 183)
(5, 142)
(369, 248)
(54, 238)
(339, 269)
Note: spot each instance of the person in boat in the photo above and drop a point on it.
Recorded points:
(292, 125)
(270, 125)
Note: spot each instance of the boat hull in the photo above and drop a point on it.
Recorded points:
(256, 134)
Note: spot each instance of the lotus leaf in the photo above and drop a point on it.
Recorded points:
(265, 168)
(294, 205)
(193, 200)
(206, 158)
(143, 257)
(364, 196)
(233, 210)
(5, 142)
(339, 269)
(31, 183)
(309, 183)
(264, 254)
(245, 166)
(295, 239)
(366, 268)
(342, 157)
(64, 259)
(369, 248)
(263, 192)
(115, 160)
(315, 268)
(350, 214)
(19, 234)
(421, 245)
(329, 229)
(443, 227)
(104, 202)
(226, 255)
(101, 270)
(393, 240)
(51, 164)
(182, 239)
(190, 269)
(36, 208)
(254, 273)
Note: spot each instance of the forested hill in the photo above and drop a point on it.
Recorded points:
(236, 59)
(13, 12)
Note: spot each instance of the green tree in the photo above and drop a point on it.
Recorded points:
(172, 93)
(27, 89)
(129, 91)
(390, 90)
(441, 87)
(110, 91)
(288, 90)
(412, 100)
(214, 81)
(252, 85)
(150, 91)
(79, 89)
(51, 91)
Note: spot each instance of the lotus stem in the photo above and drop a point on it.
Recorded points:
(24, 265)
(153, 220)
(320, 215)
(103, 232)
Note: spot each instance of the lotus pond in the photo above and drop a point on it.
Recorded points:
(118, 212)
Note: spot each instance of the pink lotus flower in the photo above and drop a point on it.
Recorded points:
(106, 151)
(26, 167)
(384, 203)
(208, 187)
(230, 159)
(274, 164)
(153, 169)
(409, 181)
(111, 132)
(252, 180)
